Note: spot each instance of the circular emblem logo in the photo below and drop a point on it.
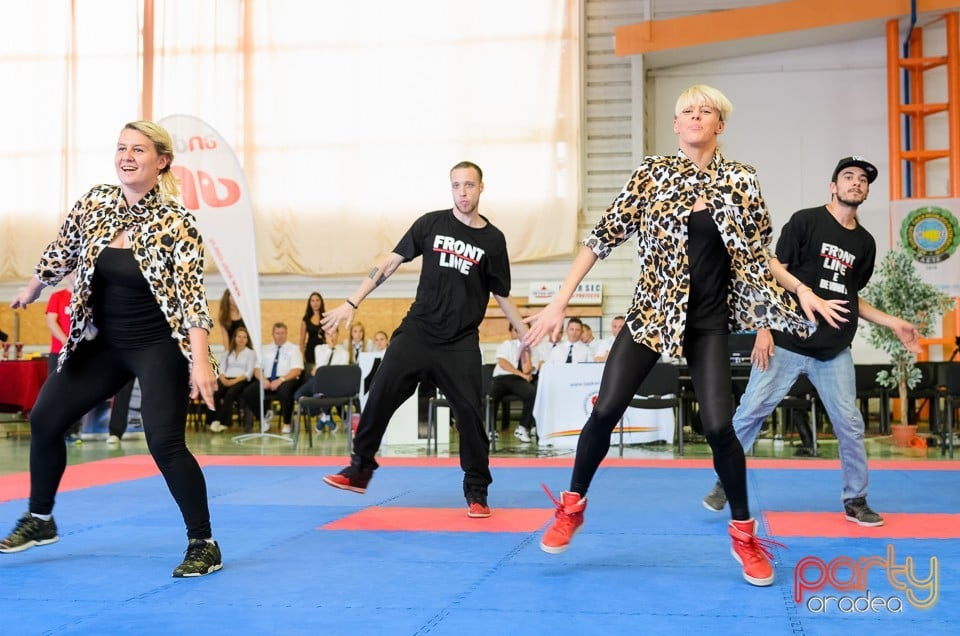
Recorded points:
(930, 234)
(589, 402)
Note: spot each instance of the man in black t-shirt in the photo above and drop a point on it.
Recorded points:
(832, 255)
(464, 261)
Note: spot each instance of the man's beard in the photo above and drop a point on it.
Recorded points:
(851, 202)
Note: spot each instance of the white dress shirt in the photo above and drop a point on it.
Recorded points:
(288, 359)
(509, 350)
(578, 352)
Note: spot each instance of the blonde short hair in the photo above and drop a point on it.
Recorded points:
(703, 94)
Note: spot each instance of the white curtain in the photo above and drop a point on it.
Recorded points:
(71, 78)
(347, 116)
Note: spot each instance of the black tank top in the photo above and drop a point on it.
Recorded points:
(707, 311)
(126, 312)
(315, 336)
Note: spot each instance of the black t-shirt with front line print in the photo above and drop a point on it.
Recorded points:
(836, 263)
(461, 267)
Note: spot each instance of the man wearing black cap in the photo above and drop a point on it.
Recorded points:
(832, 255)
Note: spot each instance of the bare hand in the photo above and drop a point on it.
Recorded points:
(203, 383)
(25, 296)
(830, 310)
(548, 322)
(908, 335)
(331, 320)
(762, 350)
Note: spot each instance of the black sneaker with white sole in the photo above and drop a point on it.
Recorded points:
(859, 512)
(202, 557)
(30, 531)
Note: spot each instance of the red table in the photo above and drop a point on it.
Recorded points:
(20, 382)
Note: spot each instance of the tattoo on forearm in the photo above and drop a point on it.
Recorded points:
(373, 273)
(380, 280)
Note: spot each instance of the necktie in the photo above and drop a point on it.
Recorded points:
(570, 354)
(276, 361)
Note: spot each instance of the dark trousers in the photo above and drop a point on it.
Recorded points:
(458, 376)
(284, 393)
(224, 400)
(708, 359)
(94, 373)
(503, 385)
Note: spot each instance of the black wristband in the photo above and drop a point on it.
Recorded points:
(350, 302)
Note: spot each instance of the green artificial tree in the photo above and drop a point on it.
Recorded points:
(898, 290)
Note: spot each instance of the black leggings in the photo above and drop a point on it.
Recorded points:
(628, 364)
(95, 372)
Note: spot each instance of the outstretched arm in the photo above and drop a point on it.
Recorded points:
(511, 313)
(378, 275)
(28, 294)
(906, 332)
(549, 322)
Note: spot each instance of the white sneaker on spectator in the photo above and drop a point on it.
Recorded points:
(267, 419)
(521, 434)
(285, 428)
(216, 427)
(113, 440)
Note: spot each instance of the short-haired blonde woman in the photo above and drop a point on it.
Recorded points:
(703, 237)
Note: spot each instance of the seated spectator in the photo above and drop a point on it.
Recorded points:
(279, 374)
(327, 354)
(572, 349)
(358, 342)
(602, 349)
(586, 337)
(514, 373)
(236, 371)
(380, 342)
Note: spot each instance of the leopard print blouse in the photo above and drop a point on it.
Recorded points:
(166, 245)
(655, 204)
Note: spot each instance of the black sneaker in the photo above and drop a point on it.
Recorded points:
(716, 499)
(203, 557)
(350, 478)
(28, 532)
(859, 512)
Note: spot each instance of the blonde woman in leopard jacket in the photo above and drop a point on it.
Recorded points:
(138, 310)
(703, 240)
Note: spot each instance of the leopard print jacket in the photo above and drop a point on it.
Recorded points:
(655, 204)
(166, 245)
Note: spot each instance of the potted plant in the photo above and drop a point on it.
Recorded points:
(898, 290)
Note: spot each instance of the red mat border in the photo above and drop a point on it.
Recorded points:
(897, 525)
(409, 519)
(117, 469)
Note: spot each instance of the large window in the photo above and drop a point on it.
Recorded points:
(346, 115)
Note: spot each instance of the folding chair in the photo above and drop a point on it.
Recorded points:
(337, 385)
(660, 390)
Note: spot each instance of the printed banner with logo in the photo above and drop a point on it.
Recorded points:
(213, 186)
(542, 292)
(928, 230)
(566, 394)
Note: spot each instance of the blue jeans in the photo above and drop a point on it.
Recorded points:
(836, 388)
